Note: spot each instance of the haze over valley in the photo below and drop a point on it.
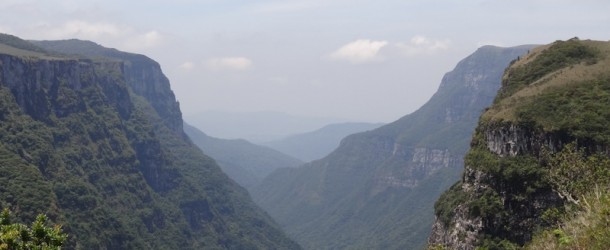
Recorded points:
(298, 124)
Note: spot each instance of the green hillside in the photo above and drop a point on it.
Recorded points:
(538, 153)
(242, 161)
(377, 189)
(97, 145)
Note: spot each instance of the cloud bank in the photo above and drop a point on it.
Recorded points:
(187, 66)
(359, 51)
(229, 63)
(423, 45)
(123, 36)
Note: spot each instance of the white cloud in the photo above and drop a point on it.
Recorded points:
(359, 51)
(109, 34)
(423, 45)
(229, 63)
(286, 6)
(86, 30)
(149, 39)
(187, 66)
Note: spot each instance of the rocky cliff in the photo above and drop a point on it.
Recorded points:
(142, 74)
(550, 98)
(95, 140)
(376, 190)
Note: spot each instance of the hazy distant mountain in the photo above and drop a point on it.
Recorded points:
(244, 162)
(377, 189)
(319, 143)
(256, 127)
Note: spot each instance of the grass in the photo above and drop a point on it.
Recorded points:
(14, 46)
(586, 229)
(586, 70)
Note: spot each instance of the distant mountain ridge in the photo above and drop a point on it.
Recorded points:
(96, 143)
(318, 143)
(242, 161)
(261, 126)
(377, 189)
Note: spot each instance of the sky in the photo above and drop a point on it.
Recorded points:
(359, 60)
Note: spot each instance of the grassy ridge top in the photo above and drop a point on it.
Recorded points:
(560, 65)
(71, 49)
(15, 46)
(20, 44)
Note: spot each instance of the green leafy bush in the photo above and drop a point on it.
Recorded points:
(585, 228)
(445, 206)
(16, 236)
(572, 173)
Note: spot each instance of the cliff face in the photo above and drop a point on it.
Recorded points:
(376, 190)
(146, 79)
(507, 191)
(31, 80)
(417, 165)
(500, 202)
(96, 142)
(142, 74)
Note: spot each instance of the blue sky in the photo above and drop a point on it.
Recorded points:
(362, 60)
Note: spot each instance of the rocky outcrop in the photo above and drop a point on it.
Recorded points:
(416, 164)
(461, 235)
(521, 212)
(507, 139)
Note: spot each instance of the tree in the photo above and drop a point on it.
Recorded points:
(39, 237)
(573, 173)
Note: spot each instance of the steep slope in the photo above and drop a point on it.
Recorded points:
(97, 144)
(318, 143)
(520, 172)
(377, 189)
(242, 161)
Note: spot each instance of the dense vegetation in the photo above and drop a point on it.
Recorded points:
(556, 102)
(584, 228)
(579, 109)
(97, 145)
